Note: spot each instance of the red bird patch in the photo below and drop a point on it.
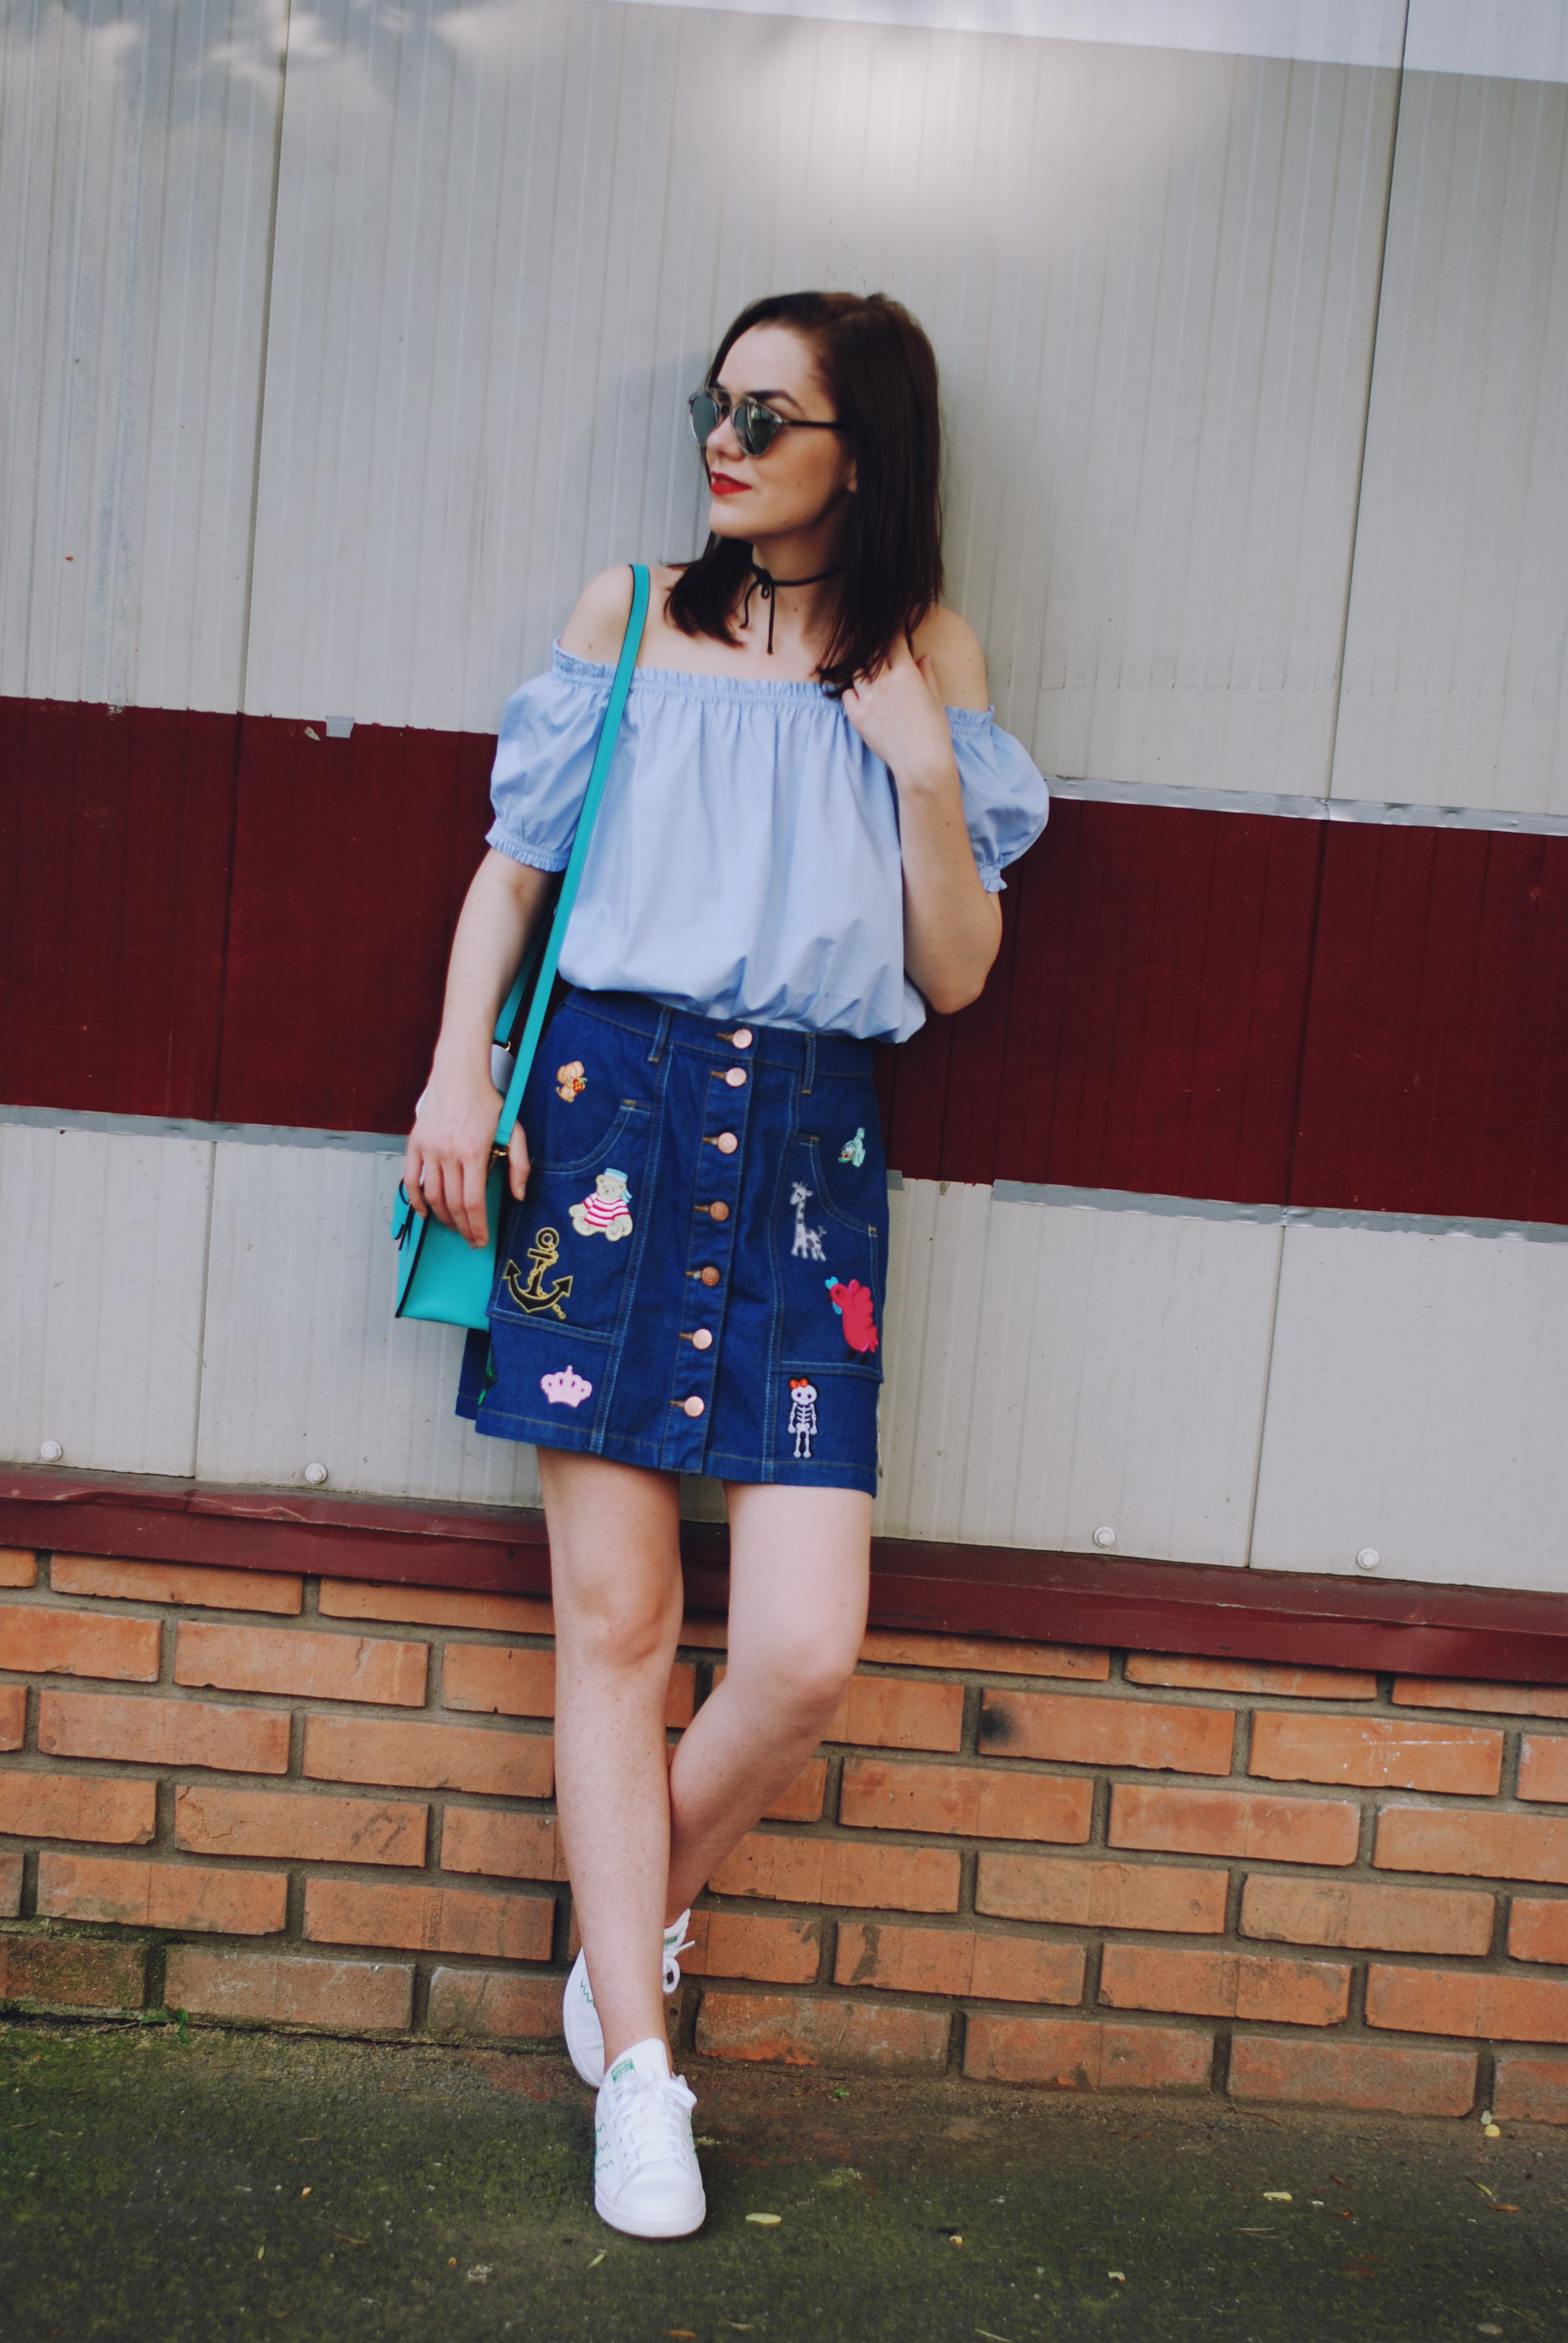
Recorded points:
(853, 1303)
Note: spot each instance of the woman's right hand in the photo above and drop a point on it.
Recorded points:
(446, 1162)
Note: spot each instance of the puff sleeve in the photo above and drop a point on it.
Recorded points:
(543, 758)
(1005, 797)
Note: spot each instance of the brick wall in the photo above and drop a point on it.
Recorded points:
(299, 1801)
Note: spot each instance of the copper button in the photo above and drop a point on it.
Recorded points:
(736, 1077)
(727, 1142)
(702, 1339)
(692, 1406)
(741, 1037)
(708, 1277)
(717, 1212)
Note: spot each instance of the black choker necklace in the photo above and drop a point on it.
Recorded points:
(763, 582)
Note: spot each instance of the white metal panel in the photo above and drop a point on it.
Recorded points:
(304, 1362)
(1052, 1370)
(1453, 685)
(101, 1297)
(1527, 40)
(510, 235)
(1416, 1403)
(1332, 31)
(136, 149)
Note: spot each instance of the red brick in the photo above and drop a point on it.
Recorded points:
(843, 2034)
(290, 1989)
(429, 1919)
(1249, 1677)
(1543, 1767)
(965, 1801)
(298, 1826)
(965, 1962)
(1081, 2054)
(1475, 1846)
(502, 1680)
(1353, 2075)
(753, 1944)
(10, 1885)
(435, 1606)
(1107, 1732)
(1382, 1919)
(1538, 1931)
(802, 1801)
(1376, 1753)
(1489, 1699)
(831, 1871)
(495, 2003)
(18, 1567)
(1276, 1992)
(1234, 1822)
(309, 1667)
(77, 1805)
(177, 1581)
(501, 1845)
(73, 1972)
(899, 1713)
(1468, 2001)
(40, 1642)
(1530, 2090)
(398, 1756)
(985, 1655)
(149, 1732)
(1072, 1893)
(160, 1894)
(13, 1715)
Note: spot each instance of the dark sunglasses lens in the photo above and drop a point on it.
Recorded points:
(703, 411)
(756, 427)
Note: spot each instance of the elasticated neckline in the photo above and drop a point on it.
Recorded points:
(676, 683)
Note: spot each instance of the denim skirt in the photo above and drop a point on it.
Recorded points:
(695, 1279)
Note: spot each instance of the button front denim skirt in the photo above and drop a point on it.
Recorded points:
(696, 1277)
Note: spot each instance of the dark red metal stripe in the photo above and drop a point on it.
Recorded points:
(1149, 1606)
(207, 918)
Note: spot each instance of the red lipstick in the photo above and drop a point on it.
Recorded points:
(721, 485)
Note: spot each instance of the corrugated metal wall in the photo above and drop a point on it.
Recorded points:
(329, 378)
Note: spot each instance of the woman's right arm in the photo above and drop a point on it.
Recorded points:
(448, 1157)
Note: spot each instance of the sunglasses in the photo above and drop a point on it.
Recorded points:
(755, 426)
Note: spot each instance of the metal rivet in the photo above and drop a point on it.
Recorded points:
(736, 1077)
(727, 1142)
(702, 1339)
(316, 1475)
(692, 1406)
(741, 1037)
(1105, 1534)
(51, 1451)
(1368, 1558)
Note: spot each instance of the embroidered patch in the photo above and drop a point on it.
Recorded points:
(854, 1306)
(571, 1081)
(605, 1212)
(808, 1244)
(853, 1151)
(531, 1293)
(565, 1387)
(802, 1414)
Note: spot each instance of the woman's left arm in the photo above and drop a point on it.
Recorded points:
(952, 926)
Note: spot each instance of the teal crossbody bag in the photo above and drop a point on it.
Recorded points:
(440, 1275)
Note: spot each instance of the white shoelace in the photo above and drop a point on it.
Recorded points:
(651, 2119)
(673, 1958)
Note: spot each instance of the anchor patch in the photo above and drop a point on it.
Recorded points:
(531, 1293)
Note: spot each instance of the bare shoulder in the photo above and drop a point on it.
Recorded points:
(952, 646)
(595, 628)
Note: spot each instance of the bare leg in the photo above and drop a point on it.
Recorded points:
(800, 1573)
(615, 1560)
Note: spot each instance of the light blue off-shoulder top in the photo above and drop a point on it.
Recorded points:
(745, 864)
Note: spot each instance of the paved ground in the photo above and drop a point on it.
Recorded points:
(155, 2187)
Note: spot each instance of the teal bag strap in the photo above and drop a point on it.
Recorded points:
(550, 959)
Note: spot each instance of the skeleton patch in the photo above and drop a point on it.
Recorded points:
(802, 1420)
(855, 1306)
(607, 1212)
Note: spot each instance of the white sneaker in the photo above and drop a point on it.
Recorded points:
(646, 2179)
(585, 2035)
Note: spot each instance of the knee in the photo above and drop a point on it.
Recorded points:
(619, 1628)
(805, 1678)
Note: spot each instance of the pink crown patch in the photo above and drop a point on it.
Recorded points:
(565, 1387)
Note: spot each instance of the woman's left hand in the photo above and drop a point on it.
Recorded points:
(900, 715)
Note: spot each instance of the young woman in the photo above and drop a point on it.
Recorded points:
(799, 849)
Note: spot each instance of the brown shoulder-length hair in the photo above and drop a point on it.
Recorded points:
(880, 373)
